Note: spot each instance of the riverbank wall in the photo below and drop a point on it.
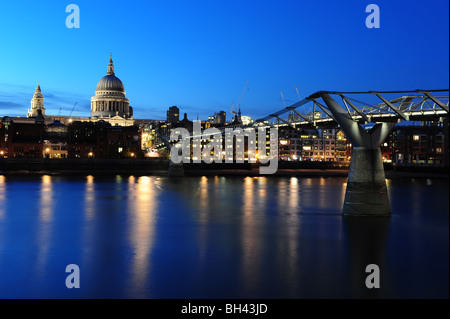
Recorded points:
(157, 166)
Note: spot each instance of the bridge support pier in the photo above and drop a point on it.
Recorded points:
(366, 187)
(175, 170)
(366, 193)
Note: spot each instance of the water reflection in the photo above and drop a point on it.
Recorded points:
(321, 195)
(89, 198)
(366, 239)
(289, 223)
(2, 196)
(216, 237)
(45, 225)
(294, 195)
(46, 199)
(249, 202)
(251, 227)
(262, 198)
(204, 200)
(143, 218)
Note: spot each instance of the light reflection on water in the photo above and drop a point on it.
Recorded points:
(2, 196)
(45, 224)
(143, 215)
(216, 237)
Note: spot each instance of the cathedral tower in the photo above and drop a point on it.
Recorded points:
(37, 103)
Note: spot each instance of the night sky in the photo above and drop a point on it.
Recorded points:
(198, 55)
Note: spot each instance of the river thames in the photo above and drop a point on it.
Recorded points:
(218, 237)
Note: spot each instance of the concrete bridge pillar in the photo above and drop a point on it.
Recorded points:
(366, 187)
(175, 170)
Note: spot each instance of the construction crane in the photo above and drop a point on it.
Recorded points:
(284, 103)
(298, 94)
(243, 91)
(282, 98)
(232, 110)
(73, 109)
(240, 99)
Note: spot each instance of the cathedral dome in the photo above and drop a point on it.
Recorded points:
(110, 99)
(110, 83)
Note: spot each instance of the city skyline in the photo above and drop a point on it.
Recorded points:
(206, 152)
(200, 60)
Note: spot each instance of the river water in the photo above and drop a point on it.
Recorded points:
(218, 237)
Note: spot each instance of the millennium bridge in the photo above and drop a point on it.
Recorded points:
(367, 119)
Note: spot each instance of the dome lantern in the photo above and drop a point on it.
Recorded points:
(110, 66)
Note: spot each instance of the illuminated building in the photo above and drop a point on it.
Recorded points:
(55, 141)
(37, 103)
(418, 144)
(21, 139)
(102, 140)
(312, 145)
(109, 104)
(109, 100)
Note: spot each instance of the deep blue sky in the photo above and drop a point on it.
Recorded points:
(198, 55)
